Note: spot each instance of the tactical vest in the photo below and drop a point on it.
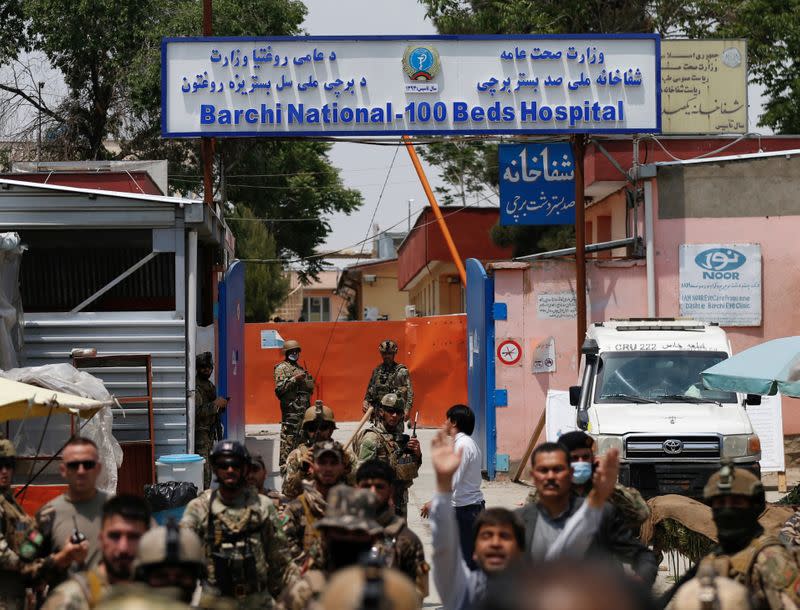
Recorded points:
(404, 465)
(311, 535)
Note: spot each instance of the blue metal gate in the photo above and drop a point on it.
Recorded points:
(480, 347)
(230, 318)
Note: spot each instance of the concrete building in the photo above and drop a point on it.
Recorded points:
(425, 267)
(313, 302)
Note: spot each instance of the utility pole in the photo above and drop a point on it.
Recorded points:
(207, 144)
(410, 201)
(578, 150)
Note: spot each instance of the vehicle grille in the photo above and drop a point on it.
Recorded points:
(657, 447)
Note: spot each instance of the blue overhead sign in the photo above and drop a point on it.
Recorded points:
(537, 184)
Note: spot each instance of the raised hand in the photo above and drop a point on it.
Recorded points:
(604, 478)
(445, 458)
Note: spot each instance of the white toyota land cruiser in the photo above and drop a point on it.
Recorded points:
(641, 392)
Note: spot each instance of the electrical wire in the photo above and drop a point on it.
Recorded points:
(709, 153)
(369, 226)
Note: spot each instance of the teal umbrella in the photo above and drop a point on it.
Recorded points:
(764, 369)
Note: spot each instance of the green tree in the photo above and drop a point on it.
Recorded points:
(265, 284)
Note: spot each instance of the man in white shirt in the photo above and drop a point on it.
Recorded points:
(467, 496)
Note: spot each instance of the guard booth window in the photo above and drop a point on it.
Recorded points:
(317, 309)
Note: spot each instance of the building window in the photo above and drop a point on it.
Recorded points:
(317, 309)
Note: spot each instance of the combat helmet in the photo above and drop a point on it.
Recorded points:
(388, 347)
(707, 591)
(369, 588)
(351, 509)
(392, 402)
(7, 449)
(169, 545)
(290, 345)
(731, 481)
(227, 448)
(319, 412)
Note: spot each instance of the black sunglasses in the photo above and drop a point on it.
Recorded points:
(314, 426)
(87, 464)
(8, 463)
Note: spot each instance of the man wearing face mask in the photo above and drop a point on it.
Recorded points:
(293, 387)
(349, 531)
(627, 500)
(745, 553)
(318, 425)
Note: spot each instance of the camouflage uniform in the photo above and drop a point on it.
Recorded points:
(376, 443)
(627, 500)
(766, 568)
(390, 379)
(305, 540)
(207, 422)
(249, 525)
(790, 532)
(296, 469)
(403, 551)
(295, 398)
(19, 544)
(350, 509)
(81, 592)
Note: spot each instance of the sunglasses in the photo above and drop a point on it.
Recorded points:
(87, 465)
(313, 427)
(9, 463)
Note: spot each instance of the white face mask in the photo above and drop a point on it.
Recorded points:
(293, 357)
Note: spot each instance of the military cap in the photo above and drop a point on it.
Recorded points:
(392, 402)
(351, 589)
(323, 447)
(318, 412)
(204, 360)
(731, 481)
(7, 449)
(351, 509)
(257, 458)
(577, 439)
(290, 345)
(388, 347)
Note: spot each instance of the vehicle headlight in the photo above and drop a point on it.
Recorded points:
(740, 445)
(604, 443)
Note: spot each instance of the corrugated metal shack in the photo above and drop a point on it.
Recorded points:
(118, 272)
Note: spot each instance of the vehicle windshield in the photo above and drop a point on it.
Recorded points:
(656, 376)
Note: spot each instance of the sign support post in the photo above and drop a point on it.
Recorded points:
(578, 151)
(207, 144)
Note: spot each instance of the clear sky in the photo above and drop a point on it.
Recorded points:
(363, 166)
(366, 167)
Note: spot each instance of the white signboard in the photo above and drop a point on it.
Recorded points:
(271, 339)
(560, 416)
(371, 85)
(544, 356)
(767, 420)
(556, 306)
(721, 283)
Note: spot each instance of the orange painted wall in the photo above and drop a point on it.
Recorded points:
(433, 348)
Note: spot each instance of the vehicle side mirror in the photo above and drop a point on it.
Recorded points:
(583, 420)
(575, 395)
(753, 399)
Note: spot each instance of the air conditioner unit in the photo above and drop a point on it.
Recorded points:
(411, 311)
(369, 278)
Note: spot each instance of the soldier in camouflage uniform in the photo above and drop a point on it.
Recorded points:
(628, 501)
(257, 475)
(383, 441)
(318, 425)
(305, 540)
(401, 547)
(293, 387)
(349, 531)
(19, 539)
(389, 377)
(125, 520)
(790, 531)
(745, 553)
(242, 538)
(207, 425)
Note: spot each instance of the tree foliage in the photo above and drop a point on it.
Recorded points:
(108, 53)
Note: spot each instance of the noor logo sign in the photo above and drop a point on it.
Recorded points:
(719, 263)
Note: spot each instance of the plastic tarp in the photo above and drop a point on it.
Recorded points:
(10, 301)
(68, 390)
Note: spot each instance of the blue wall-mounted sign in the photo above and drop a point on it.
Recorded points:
(537, 184)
